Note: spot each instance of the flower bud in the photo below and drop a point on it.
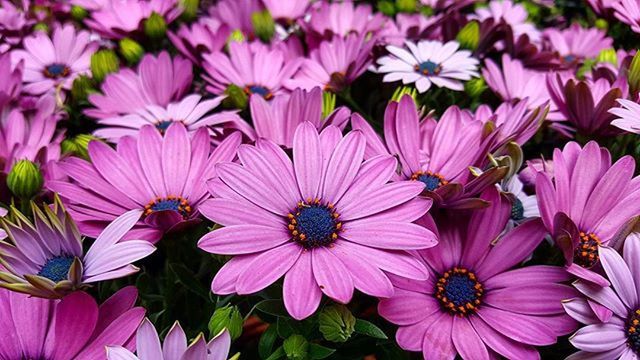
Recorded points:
(25, 179)
(608, 55)
(236, 35)
(475, 87)
(602, 24)
(78, 13)
(131, 50)
(41, 27)
(407, 6)
(103, 63)
(227, 317)
(78, 145)
(469, 36)
(189, 9)
(633, 76)
(296, 347)
(155, 27)
(328, 103)
(405, 90)
(386, 7)
(81, 88)
(336, 323)
(236, 97)
(263, 25)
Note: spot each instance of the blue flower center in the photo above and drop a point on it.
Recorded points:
(632, 329)
(163, 125)
(586, 252)
(170, 203)
(259, 90)
(517, 210)
(55, 71)
(313, 224)
(569, 58)
(459, 291)
(428, 68)
(57, 269)
(430, 180)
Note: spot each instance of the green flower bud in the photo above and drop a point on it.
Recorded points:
(81, 88)
(475, 87)
(336, 323)
(602, 24)
(236, 97)
(387, 7)
(405, 90)
(532, 8)
(296, 347)
(426, 10)
(227, 317)
(104, 62)
(407, 6)
(634, 73)
(189, 9)
(78, 145)
(236, 35)
(608, 55)
(586, 67)
(263, 25)
(469, 36)
(328, 103)
(25, 179)
(78, 13)
(41, 27)
(155, 27)
(131, 50)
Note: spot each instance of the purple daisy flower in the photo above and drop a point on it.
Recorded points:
(328, 222)
(236, 14)
(190, 111)
(14, 22)
(628, 11)
(513, 14)
(164, 176)
(617, 336)
(437, 154)
(429, 62)
(287, 11)
(628, 116)
(475, 304)
(56, 61)
(205, 36)
(45, 257)
(576, 43)
(253, 67)
(175, 346)
(157, 81)
(11, 86)
(327, 20)
(586, 203)
(72, 328)
(513, 123)
(278, 120)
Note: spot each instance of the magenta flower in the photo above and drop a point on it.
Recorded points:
(236, 14)
(512, 122)
(157, 81)
(11, 86)
(110, 21)
(437, 154)
(603, 7)
(513, 14)
(72, 328)
(45, 258)
(252, 67)
(56, 61)
(191, 111)
(628, 11)
(14, 23)
(329, 222)
(576, 43)
(586, 202)
(278, 120)
(341, 19)
(164, 176)
(334, 65)
(287, 11)
(628, 116)
(617, 337)
(475, 304)
(429, 62)
(205, 36)
(175, 346)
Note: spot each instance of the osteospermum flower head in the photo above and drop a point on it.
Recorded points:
(56, 61)
(429, 62)
(325, 214)
(342, 19)
(45, 258)
(205, 36)
(515, 15)
(162, 176)
(576, 43)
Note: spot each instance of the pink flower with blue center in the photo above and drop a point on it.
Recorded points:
(576, 43)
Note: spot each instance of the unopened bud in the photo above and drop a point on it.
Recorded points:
(81, 88)
(469, 36)
(78, 13)
(475, 87)
(263, 25)
(155, 27)
(227, 317)
(336, 323)
(407, 6)
(236, 98)
(405, 90)
(328, 103)
(131, 50)
(78, 145)
(25, 179)
(634, 74)
(608, 55)
(104, 62)
(189, 9)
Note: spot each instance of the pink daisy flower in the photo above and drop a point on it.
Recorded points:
(429, 62)
(334, 65)
(512, 122)
(205, 36)
(616, 337)
(11, 86)
(14, 23)
(586, 203)
(576, 43)
(72, 328)
(475, 304)
(157, 81)
(628, 116)
(251, 66)
(628, 11)
(175, 346)
(278, 120)
(191, 111)
(56, 61)
(286, 11)
(328, 222)
(342, 19)
(513, 14)
(236, 14)
(45, 258)
(163, 176)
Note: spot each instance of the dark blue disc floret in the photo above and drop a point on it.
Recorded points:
(431, 180)
(169, 203)
(259, 90)
(459, 291)
(428, 68)
(517, 210)
(633, 331)
(55, 71)
(57, 268)
(313, 224)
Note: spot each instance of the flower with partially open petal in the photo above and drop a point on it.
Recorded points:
(628, 116)
(613, 332)
(587, 203)
(628, 11)
(341, 19)
(163, 176)
(72, 328)
(328, 222)
(175, 346)
(205, 36)
(478, 303)
(513, 14)
(576, 43)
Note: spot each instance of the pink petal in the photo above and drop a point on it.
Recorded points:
(243, 239)
(76, 317)
(301, 293)
(467, 341)
(267, 268)
(332, 276)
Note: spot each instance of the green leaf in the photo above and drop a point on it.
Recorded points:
(319, 352)
(278, 354)
(188, 279)
(285, 328)
(366, 328)
(272, 307)
(265, 346)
